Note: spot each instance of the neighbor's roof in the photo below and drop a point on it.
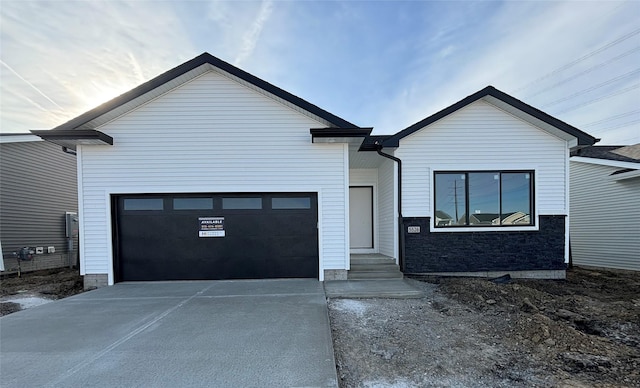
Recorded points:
(177, 76)
(505, 102)
(614, 153)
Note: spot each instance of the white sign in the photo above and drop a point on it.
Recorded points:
(211, 227)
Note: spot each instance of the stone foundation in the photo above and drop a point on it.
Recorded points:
(335, 274)
(93, 281)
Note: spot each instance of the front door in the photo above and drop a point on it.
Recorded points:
(361, 217)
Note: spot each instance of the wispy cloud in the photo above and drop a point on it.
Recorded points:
(381, 64)
(251, 37)
(32, 86)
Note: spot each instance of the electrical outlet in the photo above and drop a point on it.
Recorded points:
(51, 250)
(39, 250)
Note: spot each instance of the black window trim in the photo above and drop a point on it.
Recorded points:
(532, 202)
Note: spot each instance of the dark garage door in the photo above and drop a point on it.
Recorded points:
(215, 236)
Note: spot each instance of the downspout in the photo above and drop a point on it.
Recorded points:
(68, 151)
(400, 221)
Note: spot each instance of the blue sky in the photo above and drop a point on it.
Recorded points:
(374, 63)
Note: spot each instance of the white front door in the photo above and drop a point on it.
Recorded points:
(361, 217)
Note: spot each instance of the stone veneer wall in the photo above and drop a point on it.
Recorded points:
(427, 252)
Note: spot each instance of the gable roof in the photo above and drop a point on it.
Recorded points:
(607, 153)
(505, 102)
(184, 72)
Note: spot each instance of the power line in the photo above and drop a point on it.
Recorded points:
(621, 125)
(611, 118)
(621, 91)
(586, 71)
(582, 58)
(592, 88)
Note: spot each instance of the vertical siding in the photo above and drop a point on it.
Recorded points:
(38, 186)
(481, 136)
(605, 218)
(387, 220)
(212, 135)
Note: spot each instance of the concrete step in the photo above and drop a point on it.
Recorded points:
(374, 275)
(371, 260)
(375, 267)
(391, 288)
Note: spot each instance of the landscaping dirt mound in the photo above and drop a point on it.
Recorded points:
(49, 284)
(582, 331)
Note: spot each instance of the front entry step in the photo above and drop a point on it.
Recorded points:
(369, 267)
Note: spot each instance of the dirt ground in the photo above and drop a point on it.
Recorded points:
(48, 284)
(580, 332)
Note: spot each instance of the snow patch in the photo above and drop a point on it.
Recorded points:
(351, 306)
(381, 384)
(26, 301)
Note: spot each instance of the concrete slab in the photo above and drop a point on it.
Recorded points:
(272, 333)
(379, 288)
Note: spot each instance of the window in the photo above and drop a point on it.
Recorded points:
(291, 203)
(241, 203)
(483, 198)
(192, 203)
(143, 204)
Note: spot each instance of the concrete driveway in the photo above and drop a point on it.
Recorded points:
(249, 333)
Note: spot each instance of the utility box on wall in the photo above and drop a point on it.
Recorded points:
(72, 225)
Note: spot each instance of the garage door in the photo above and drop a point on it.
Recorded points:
(215, 236)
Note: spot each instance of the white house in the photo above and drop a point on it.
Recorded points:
(605, 207)
(208, 172)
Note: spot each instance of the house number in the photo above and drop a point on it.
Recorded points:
(413, 229)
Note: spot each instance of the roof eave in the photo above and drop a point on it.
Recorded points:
(507, 103)
(71, 138)
(202, 59)
(339, 135)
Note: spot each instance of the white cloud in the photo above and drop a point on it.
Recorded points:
(81, 54)
(250, 38)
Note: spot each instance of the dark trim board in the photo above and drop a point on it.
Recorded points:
(202, 59)
(266, 235)
(584, 139)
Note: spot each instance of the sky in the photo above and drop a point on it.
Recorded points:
(376, 64)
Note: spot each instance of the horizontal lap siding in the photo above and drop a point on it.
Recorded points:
(212, 135)
(605, 218)
(38, 186)
(387, 208)
(481, 136)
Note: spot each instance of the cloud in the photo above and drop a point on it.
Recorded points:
(251, 37)
(80, 54)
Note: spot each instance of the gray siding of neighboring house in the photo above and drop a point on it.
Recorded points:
(38, 185)
(605, 218)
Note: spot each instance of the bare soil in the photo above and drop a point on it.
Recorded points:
(580, 332)
(51, 284)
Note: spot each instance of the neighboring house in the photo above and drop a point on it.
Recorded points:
(38, 187)
(208, 172)
(605, 207)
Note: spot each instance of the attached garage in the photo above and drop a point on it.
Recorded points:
(215, 236)
(208, 172)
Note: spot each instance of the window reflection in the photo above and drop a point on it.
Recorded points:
(486, 198)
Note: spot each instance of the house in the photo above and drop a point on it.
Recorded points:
(483, 160)
(605, 207)
(208, 172)
(38, 193)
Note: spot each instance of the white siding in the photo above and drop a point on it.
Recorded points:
(387, 217)
(211, 135)
(482, 137)
(605, 218)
